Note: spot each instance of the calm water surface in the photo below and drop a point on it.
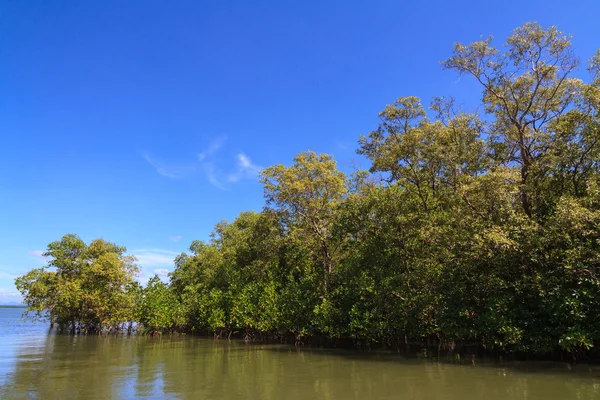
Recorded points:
(34, 363)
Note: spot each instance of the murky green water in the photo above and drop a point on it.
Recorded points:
(36, 364)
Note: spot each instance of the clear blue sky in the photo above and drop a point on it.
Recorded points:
(144, 122)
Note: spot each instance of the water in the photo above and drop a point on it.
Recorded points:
(35, 363)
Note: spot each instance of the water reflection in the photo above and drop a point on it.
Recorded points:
(58, 366)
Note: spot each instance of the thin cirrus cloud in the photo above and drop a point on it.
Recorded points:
(245, 169)
(175, 239)
(206, 165)
(169, 171)
(211, 173)
(8, 293)
(212, 148)
(8, 275)
(154, 262)
(151, 258)
(38, 254)
(10, 296)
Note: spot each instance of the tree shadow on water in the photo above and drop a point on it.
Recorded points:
(580, 370)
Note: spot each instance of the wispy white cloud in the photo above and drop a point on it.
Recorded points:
(208, 166)
(245, 169)
(212, 148)
(207, 162)
(148, 258)
(39, 255)
(175, 238)
(169, 171)
(9, 292)
(153, 262)
(211, 174)
(8, 275)
(10, 296)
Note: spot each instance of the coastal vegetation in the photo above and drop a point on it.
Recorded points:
(470, 228)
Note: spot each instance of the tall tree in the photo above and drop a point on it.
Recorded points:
(305, 196)
(526, 88)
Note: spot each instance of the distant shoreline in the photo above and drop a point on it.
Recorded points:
(13, 306)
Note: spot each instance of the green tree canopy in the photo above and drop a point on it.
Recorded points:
(83, 287)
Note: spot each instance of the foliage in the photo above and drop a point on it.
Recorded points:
(157, 308)
(478, 229)
(83, 287)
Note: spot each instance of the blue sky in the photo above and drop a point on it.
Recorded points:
(145, 122)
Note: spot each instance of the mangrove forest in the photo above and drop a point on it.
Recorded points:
(470, 228)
